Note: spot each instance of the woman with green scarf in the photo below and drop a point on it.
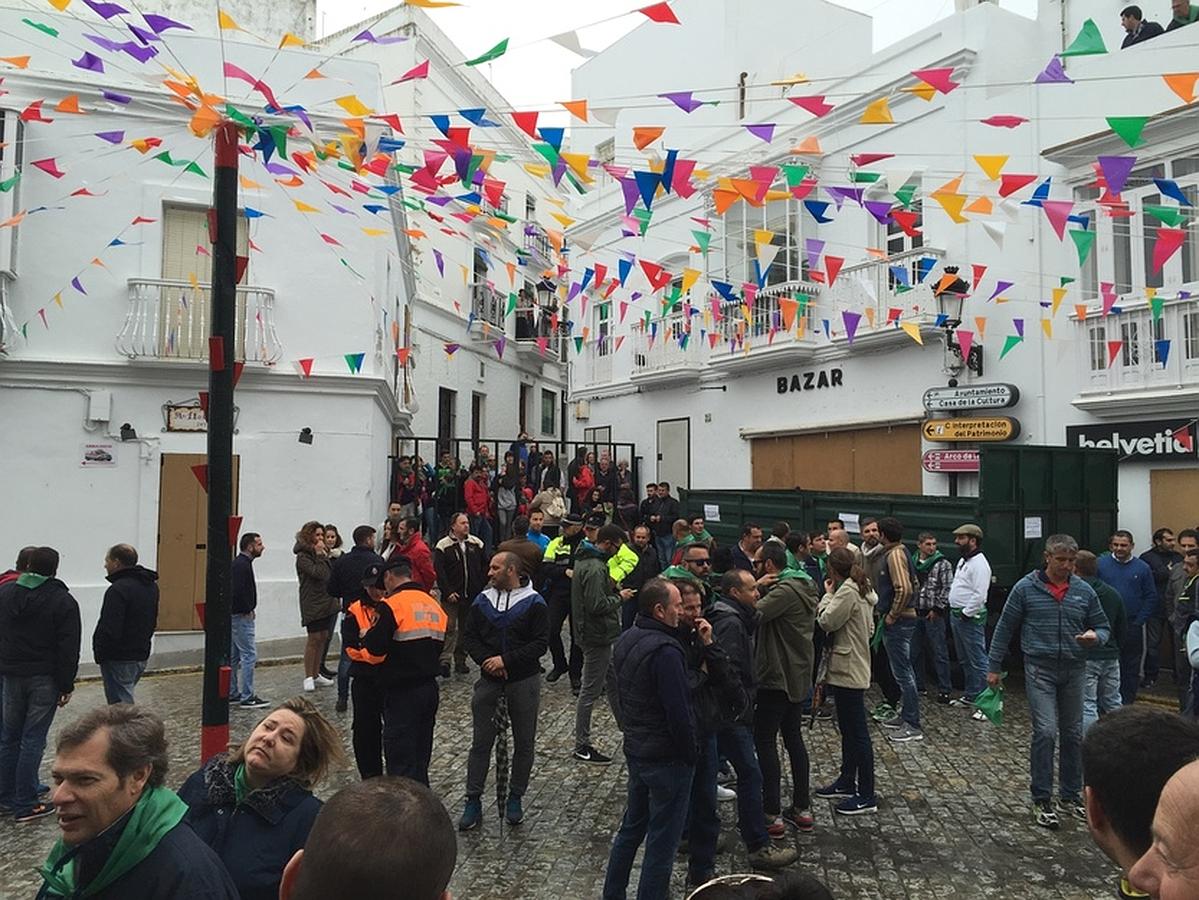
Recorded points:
(254, 805)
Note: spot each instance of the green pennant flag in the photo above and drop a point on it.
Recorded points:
(511, 304)
(1083, 242)
(239, 117)
(865, 177)
(643, 216)
(468, 179)
(1128, 127)
(1009, 344)
(702, 238)
(354, 361)
(675, 296)
(578, 345)
(403, 169)
(905, 194)
(548, 153)
(279, 135)
(1065, 280)
(45, 29)
(7, 184)
(195, 170)
(1156, 304)
(795, 174)
(803, 299)
(494, 53)
(1089, 41)
(165, 156)
(1167, 215)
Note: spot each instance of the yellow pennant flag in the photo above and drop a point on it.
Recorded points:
(430, 4)
(870, 316)
(992, 166)
(952, 204)
(762, 236)
(878, 112)
(353, 105)
(923, 90)
(291, 40)
(374, 232)
(58, 299)
(690, 276)
(249, 184)
(537, 170)
(225, 21)
(1047, 327)
(980, 325)
(1059, 294)
(565, 220)
(303, 207)
(913, 331)
(61, 6)
(578, 163)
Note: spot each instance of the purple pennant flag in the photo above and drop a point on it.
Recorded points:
(1000, 287)
(343, 210)
(1116, 170)
(880, 209)
(280, 169)
(113, 137)
(440, 260)
(141, 34)
(159, 24)
(499, 347)
(110, 46)
(683, 100)
(88, 61)
(575, 289)
(762, 132)
(1018, 324)
(851, 320)
(1054, 74)
(77, 286)
(370, 38)
(631, 194)
(813, 248)
(841, 194)
(439, 201)
(114, 97)
(559, 171)
(138, 52)
(106, 10)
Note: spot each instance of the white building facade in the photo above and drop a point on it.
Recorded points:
(105, 311)
(814, 376)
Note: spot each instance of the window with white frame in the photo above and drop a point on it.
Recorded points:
(1097, 342)
(780, 217)
(1130, 334)
(186, 250)
(12, 148)
(1190, 332)
(603, 326)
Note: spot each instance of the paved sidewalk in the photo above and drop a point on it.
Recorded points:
(953, 818)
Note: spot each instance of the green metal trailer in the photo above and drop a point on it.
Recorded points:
(1026, 493)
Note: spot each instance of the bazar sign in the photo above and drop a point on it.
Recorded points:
(999, 428)
(1159, 439)
(971, 396)
(950, 461)
(809, 381)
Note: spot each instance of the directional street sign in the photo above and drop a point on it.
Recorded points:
(999, 428)
(971, 396)
(951, 461)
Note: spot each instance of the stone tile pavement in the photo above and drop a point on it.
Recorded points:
(953, 818)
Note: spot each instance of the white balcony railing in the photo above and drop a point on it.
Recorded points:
(488, 304)
(1140, 362)
(173, 320)
(536, 242)
(876, 284)
(661, 349)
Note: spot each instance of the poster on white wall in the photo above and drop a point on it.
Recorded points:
(98, 456)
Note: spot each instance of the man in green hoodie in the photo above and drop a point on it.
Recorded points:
(1101, 690)
(123, 833)
(1184, 14)
(595, 612)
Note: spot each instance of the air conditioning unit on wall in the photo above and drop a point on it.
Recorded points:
(582, 410)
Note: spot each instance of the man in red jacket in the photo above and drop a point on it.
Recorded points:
(479, 506)
(410, 544)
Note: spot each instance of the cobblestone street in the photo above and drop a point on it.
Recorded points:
(953, 818)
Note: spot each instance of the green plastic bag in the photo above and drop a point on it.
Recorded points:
(990, 703)
(877, 640)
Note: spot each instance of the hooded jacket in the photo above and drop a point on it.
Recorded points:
(40, 631)
(594, 604)
(128, 617)
(512, 624)
(733, 626)
(313, 572)
(786, 620)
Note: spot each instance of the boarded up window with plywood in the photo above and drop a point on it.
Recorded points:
(183, 540)
(866, 461)
(1173, 498)
(184, 302)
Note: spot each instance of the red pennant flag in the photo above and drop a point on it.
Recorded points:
(234, 529)
(201, 473)
(240, 269)
(1009, 184)
(421, 70)
(1113, 350)
(833, 264)
(204, 403)
(526, 122)
(979, 271)
(815, 105)
(402, 355)
(238, 368)
(660, 12)
(306, 366)
(1183, 436)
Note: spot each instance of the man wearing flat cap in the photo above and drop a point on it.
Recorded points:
(968, 610)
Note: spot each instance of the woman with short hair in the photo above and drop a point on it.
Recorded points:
(254, 805)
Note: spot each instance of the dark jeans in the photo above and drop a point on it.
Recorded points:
(328, 643)
(480, 527)
(930, 634)
(1132, 655)
(656, 813)
(120, 678)
(773, 714)
(880, 672)
(857, 753)
(29, 706)
(409, 714)
(343, 675)
(368, 727)
(560, 613)
(1153, 644)
(736, 744)
(524, 699)
(897, 639)
(628, 612)
(703, 817)
(1054, 696)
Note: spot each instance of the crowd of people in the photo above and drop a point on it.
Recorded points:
(710, 657)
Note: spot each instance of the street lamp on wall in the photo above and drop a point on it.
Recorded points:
(951, 302)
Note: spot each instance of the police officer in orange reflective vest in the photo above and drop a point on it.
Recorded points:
(408, 633)
(366, 689)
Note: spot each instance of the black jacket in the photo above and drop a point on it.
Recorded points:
(651, 694)
(40, 631)
(552, 581)
(647, 567)
(461, 568)
(716, 692)
(345, 580)
(669, 511)
(1148, 31)
(1160, 562)
(510, 624)
(244, 597)
(255, 838)
(733, 628)
(128, 617)
(181, 867)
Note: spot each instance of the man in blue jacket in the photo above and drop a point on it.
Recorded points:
(1057, 616)
(1133, 580)
(653, 705)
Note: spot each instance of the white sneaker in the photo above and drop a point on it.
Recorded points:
(309, 684)
(979, 716)
(322, 681)
(725, 795)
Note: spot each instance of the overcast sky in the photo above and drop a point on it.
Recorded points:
(535, 73)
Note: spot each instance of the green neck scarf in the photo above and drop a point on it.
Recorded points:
(789, 573)
(31, 581)
(240, 786)
(923, 565)
(157, 812)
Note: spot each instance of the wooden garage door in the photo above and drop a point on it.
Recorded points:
(867, 461)
(183, 540)
(1174, 498)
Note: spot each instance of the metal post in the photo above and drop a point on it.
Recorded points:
(214, 732)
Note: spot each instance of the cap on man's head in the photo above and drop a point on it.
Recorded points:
(398, 562)
(595, 520)
(572, 519)
(969, 530)
(373, 576)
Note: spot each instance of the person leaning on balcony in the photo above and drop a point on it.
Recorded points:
(1138, 29)
(1184, 14)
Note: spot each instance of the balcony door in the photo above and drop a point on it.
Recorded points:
(186, 250)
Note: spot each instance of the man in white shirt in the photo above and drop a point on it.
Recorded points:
(968, 609)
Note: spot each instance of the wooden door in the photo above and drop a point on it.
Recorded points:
(1174, 498)
(182, 539)
(866, 461)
